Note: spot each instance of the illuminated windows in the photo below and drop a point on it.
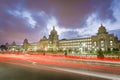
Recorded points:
(95, 43)
(102, 43)
(111, 43)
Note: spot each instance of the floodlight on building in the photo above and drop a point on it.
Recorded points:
(45, 49)
(13, 49)
(64, 49)
(35, 48)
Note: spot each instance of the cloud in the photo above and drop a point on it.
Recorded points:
(115, 7)
(73, 14)
(29, 19)
(21, 19)
(93, 21)
(25, 15)
(51, 22)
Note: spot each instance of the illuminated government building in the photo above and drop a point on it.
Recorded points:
(102, 40)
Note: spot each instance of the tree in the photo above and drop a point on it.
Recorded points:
(65, 53)
(3, 47)
(100, 54)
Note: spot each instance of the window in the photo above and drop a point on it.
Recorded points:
(111, 43)
(102, 43)
(111, 49)
(102, 49)
(95, 43)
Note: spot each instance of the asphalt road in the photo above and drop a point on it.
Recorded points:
(18, 72)
(40, 67)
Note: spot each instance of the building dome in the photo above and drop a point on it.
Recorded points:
(53, 32)
(44, 38)
(25, 41)
(102, 30)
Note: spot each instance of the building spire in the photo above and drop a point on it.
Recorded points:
(53, 27)
(102, 30)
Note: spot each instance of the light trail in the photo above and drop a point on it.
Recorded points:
(88, 73)
(53, 60)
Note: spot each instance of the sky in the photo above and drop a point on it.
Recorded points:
(32, 19)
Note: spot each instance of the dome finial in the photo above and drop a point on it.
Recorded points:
(53, 27)
(101, 24)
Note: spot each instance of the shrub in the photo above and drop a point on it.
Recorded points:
(100, 54)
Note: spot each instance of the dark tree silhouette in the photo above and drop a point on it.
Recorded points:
(100, 54)
(3, 47)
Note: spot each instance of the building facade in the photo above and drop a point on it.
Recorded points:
(50, 43)
(75, 45)
(102, 40)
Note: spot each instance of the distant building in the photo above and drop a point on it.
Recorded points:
(102, 40)
(51, 43)
(78, 45)
(13, 46)
(25, 44)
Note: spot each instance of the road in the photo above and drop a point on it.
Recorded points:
(15, 72)
(31, 67)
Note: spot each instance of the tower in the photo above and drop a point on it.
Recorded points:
(103, 40)
(102, 30)
(53, 39)
(25, 44)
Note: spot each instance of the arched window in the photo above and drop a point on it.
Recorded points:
(95, 43)
(111, 43)
(102, 43)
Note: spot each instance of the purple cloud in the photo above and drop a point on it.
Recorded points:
(21, 19)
